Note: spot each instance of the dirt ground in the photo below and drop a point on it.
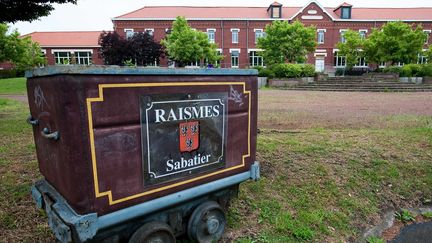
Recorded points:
(22, 98)
(283, 109)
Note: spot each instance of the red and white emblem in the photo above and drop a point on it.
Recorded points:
(189, 136)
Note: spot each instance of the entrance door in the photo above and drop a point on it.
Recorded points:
(319, 64)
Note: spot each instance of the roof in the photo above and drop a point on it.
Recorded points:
(171, 12)
(66, 38)
(344, 4)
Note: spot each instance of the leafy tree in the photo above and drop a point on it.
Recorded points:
(21, 52)
(145, 50)
(428, 54)
(26, 10)
(140, 50)
(184, 45)
(351, 48)
(394, 42)
(285, 42)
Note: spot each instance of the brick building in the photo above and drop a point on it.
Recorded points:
(65, 47)
(236, 29)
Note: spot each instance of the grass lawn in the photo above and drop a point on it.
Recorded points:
(321, 181)
(13, 86)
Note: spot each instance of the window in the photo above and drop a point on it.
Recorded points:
(153, 64)
(83, 58)
(342, 36)
(62, 58)
(321, 34)
(235, 35)
(427, 33)
(422, 59)
(211, 35)
(339, 61)
(345, 13)
(363, 34)
(362, 62)
(276, 12)
(235, 58)
(129, 33)
(197, 63)
(382, 65)
(216, 64)
(258, 34)
(255, 59)
(149, 31)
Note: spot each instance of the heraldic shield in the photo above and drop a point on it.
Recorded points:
(189, 136)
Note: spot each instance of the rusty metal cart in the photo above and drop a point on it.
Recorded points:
(138, 154)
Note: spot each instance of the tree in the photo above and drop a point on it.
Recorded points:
(351, 48)
(140, 49)
(21, 52)
(285, 42)
(394, 42)
(145, 51)
(12, 11)
(184, 45)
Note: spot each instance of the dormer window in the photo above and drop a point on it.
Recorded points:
(275, 10)
(345, 12)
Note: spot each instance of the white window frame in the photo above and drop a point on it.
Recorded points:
(259, 33)
(235, 30)
(428, 34)
(341, 35)
(259, 59)
(323, 31)
(382, 65)
(422, 59)
(128, 31)
(150, 31)
(335, 51)
(88, 57)
(238, 57)
(71, 52)
(365, 31)
(213, 31)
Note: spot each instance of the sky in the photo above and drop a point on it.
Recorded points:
(97, 14)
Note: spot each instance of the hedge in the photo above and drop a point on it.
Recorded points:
(287, 70)
(411, 70)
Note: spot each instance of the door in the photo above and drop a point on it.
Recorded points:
(319, 64)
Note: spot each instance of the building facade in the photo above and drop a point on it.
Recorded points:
(236, 29)
(69, 47)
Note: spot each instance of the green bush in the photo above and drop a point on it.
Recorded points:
(308, 70)
(287, 70)
(266, 72)
(393, 69)
(426, 70)
(8, 73)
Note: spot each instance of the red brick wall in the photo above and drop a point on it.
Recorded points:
(247, 35)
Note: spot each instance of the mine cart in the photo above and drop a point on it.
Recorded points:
(141, 155)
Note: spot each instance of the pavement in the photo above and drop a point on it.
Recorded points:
(22, 98)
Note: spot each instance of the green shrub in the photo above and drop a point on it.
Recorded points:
(8, 73)
(287, 70)
(266, 72)
(308, 70)
(426, 70)
(393, 69)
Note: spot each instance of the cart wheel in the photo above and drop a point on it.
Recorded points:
(153, 232)
(207, 223)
